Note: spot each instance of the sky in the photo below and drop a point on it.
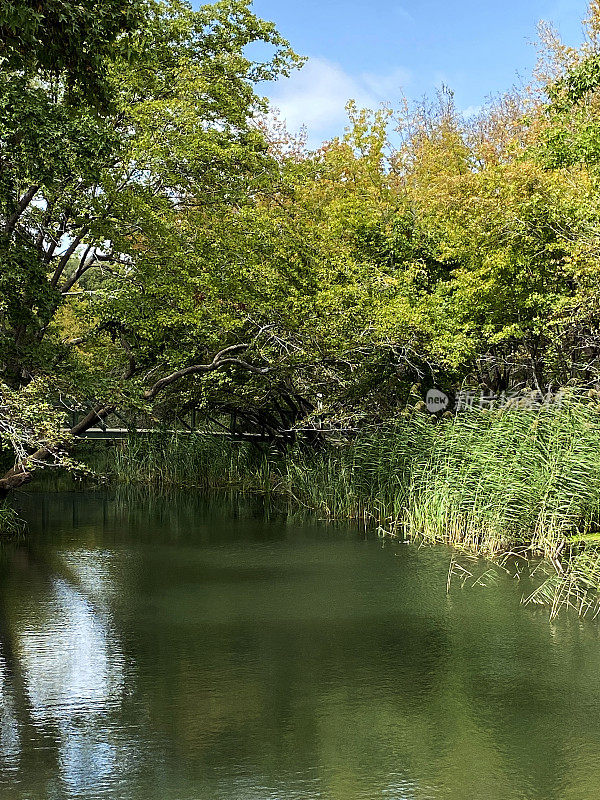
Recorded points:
(374, 51)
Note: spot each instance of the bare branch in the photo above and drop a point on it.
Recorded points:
(85, 263)
(97, 414)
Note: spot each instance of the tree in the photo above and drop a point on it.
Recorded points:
(89, 188)
(68, 43)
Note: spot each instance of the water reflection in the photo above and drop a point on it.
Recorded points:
(70, 657)
(9, 725)
(202, 651)
(66, 657)
(73, 676)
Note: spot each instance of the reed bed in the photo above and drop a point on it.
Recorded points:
(182, 461)
(511, 480)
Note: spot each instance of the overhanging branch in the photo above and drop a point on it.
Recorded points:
(222, 359)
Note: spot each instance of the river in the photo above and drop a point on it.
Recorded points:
(197, 649)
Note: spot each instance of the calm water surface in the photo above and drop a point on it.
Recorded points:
(193, 649)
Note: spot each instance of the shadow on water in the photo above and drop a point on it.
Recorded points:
(217, 648)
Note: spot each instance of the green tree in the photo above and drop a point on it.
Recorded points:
(92, 196)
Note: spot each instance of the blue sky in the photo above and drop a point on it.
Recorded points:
(373, 50)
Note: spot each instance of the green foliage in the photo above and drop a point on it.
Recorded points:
(168, 225)
(164, 248)
(93, 196)
(59, 37)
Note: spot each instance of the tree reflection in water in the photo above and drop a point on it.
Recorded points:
(194, 649)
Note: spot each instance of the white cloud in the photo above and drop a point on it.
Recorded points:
(387, 87)
(315, 97)
(403, 13)
(471, 111)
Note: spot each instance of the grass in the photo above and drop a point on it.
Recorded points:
(181, 461)
(494, 482)
(10, 523)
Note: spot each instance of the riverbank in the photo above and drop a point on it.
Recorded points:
(517, 480)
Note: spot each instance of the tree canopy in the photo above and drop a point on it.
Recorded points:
(164, 245)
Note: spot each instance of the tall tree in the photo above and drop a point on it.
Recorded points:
(132, 114)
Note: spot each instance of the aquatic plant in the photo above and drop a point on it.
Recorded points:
(515, 479)
(10, 522)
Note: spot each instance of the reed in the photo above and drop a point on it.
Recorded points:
(186, 461)
(510, 478)
(10, 522)
(492, 482)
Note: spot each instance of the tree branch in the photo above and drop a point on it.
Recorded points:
(21, 206)
(83, 267)
(132, 366)
(44, 222)
(221, 359)
(22, 472)
(62, 229)
(64, 260)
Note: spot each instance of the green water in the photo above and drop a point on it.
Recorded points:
(194, 649)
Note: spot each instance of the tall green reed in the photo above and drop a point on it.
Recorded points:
(495, 481)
